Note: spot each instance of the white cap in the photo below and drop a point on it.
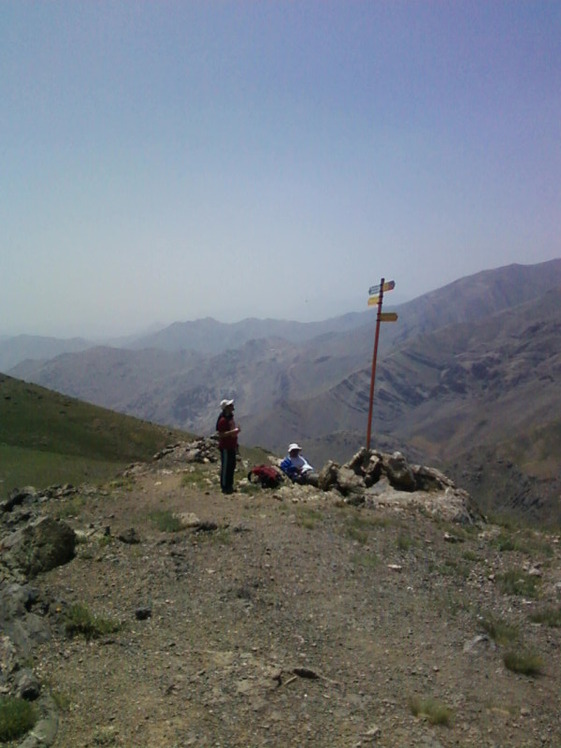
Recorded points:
(225, 403)
(292, 447)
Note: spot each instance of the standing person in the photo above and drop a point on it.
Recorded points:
(297, 467)
(228, 445)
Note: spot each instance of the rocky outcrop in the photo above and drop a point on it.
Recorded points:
(31, 543)
(376, 479)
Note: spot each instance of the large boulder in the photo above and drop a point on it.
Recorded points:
(41, 545)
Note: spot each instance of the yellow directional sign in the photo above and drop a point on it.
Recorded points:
(388, 286)
(388, 317)
(373, 300)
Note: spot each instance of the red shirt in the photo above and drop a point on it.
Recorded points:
(226, 423)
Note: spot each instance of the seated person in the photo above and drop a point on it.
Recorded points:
(297, 467)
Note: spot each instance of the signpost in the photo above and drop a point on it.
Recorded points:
(376, 294)
(388, 317)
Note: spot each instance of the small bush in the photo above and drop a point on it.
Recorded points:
(518, 582)
(79, 620)
(70, 508)
(199, 477)
(500, 631)
(549, 616)
(366, 560)
(308, 517)
(431, 710)
(471, 556)
(525, 663)
(404, 542)
(17, 717)
(166, 521)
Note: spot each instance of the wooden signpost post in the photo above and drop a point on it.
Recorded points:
(376, 296)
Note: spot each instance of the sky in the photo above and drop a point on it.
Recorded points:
(168, 161)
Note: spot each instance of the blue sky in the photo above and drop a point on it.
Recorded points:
(166, 161)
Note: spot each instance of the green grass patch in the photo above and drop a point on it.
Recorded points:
(65, 508)
(359, 526)
(404, 542)
(80, 621)
(432, 710)
(524, 541)
(518, 582)
(452, 567)
(308, 517)
(199, 476)
(251, 489)
(366, 560)
(549, 616)
(525, 663)
(165, 521)
(451, 603)
(22, 466)
(61, 700)
(48, 438)
(499, 630)
(471, 556)
(17, 717)
(220, 536)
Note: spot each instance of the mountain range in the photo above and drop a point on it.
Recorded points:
(466, 379)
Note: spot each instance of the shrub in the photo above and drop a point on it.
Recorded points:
(166, 521)
(307, 517)
(17, 717)
(431, 710)
(79, 620)
(550, 616)
(526, 663)
(518, 582)
(500, 631)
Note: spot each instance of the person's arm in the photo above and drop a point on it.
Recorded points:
(222, 425)
(287, 467)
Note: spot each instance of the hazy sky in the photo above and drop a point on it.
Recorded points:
(166, 161)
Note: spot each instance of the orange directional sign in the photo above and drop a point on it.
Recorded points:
(388, 286)
(388, 317)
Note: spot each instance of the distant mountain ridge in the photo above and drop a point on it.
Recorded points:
(452, 372)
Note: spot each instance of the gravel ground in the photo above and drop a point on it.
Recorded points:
(291, 619)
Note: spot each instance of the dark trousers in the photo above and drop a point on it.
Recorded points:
(227, 467)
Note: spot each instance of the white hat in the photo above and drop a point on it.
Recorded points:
(225, 403)
(292, 447)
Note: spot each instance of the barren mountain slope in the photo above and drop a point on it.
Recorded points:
(289, 618)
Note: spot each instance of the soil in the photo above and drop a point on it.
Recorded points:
(288, 618)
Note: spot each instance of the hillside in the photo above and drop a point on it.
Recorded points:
(46, 437)
(276, 618)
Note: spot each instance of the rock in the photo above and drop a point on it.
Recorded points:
(26, 685)
(399, 472)
(143, 613)
(430, 479)
(350, 485)
(480, 643)
(187, 519)
(42, 545)
(328, 476)
(130, 536)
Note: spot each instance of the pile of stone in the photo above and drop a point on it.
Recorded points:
(376, 479)
(203, 450)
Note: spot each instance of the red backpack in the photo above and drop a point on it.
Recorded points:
(266, 475)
